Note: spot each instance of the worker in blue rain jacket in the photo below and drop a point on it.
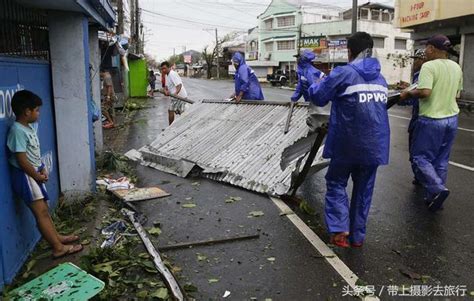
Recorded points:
(308, 75)
(418, 60)
(247, 86)
(358, 138)
(439, 83)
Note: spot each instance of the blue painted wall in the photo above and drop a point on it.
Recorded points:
(18, 232)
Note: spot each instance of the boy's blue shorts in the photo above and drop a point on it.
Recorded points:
(26, 188)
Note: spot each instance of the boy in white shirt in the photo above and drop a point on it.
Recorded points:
(174, 86)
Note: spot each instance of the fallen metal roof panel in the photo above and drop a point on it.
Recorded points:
(240, 144)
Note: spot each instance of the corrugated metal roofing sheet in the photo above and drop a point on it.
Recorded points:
(240, 144)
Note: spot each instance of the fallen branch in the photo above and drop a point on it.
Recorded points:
(207, 242)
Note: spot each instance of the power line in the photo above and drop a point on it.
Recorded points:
(190, 21)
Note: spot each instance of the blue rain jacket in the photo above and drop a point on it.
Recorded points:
(359, 130)
(307, 75)
(246, 80)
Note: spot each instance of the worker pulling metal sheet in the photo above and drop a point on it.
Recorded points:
(358, 138)
(308, 75)
(247, 86)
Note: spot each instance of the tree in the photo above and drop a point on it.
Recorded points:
(209, 56)
(151, 62)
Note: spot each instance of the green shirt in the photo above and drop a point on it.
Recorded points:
(444, 78)
(22, 139)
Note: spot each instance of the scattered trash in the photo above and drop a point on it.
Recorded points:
(139, 194)
(271, 259)
(226, 294)
(66, 281)
(118, 184)
(256, 213)
(410, 274)
(213, 280)
(188, 205)
(195, 184)
(154, 231)
(397, 252)
(113, 233)
(201, 257)
(233, 199)
(112, 228)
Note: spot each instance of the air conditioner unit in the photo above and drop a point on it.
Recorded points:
(268, 56)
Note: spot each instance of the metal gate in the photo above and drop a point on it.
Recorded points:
(24, 64)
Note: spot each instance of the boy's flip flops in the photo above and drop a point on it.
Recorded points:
(72, 249)
(69, 239)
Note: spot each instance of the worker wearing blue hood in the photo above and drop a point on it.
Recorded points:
(247, 86)
(307, 75)
(358, 139)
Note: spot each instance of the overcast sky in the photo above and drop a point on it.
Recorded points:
(189, 24)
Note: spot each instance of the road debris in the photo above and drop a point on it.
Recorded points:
(241, 145)
(140, 194)
(410, 274)
(113, 233)
(122, 183)
(256, 213)
(207, 242)
(188, 205)
(226, 294)
(158, 262)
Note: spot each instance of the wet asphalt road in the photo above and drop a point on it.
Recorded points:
(402, 234)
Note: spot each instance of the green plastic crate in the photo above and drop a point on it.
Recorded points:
(64, 282)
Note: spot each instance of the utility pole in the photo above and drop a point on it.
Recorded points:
(137, 26)
(354, 16)
(120, 17)
(217, 55)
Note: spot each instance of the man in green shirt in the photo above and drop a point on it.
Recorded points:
(439, 82)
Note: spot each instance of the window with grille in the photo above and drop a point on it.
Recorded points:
(379, 42)
(286, 21)
(401, 44)
(286, 45)
(386, 17)
(364, 14)
(23, 31)
(375, 15)
(269, 46)
(269, 24)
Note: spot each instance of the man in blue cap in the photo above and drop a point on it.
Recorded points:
(358, 138)
(439, 83)
(247, 86)
(307, 75)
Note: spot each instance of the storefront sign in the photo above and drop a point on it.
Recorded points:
(414, 12)
(313, 43)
